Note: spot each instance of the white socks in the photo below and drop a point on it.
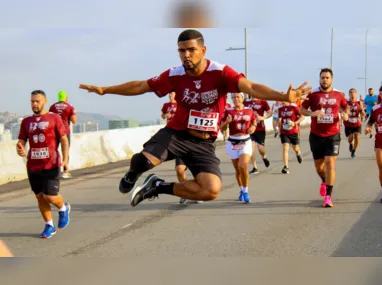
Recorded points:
(49, 223)
(62, 209)
(244, 189)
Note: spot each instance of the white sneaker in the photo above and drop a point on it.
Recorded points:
(66, 176)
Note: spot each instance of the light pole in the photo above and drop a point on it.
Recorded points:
(331, 50)
(365, 77)
(245, 48)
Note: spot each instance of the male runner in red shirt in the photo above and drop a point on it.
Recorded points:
(353, 126)
(325, 105)
(201, 88)
(289, 117)
(68, 115)
(43, 130)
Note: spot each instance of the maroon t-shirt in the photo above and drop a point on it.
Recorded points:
(330, 103)
(259, 107)
(241, 120)
(200, 99)
(65, 110)
(43, 133)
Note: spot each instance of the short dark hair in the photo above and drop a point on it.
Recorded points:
(370, 89)
(352, 89)
(326, 70)
(191, 35)
(36, 92)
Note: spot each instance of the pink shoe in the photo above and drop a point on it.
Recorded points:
(328, 202)
(323, 189)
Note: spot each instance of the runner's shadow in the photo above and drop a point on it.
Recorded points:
(28, 235)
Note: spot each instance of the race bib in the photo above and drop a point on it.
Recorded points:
(201, 121)
(39, 153)
(326, 119)
(353, 120)
(287, 127)
(239, 146)
(379, 128)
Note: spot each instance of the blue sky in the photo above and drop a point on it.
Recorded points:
(50, 50)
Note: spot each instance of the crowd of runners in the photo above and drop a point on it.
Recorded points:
(199, 90)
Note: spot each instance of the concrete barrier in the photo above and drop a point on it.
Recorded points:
(90, 149)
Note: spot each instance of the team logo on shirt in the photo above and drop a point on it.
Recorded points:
(190, 97)
(209, 97)
(41, 138)
(35, 138)
(34, 126)
(328, 110)
(198, 84)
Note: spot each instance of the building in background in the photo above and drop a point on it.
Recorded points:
(123, 124)
(15, 128)
(86, 127)
(6, 136)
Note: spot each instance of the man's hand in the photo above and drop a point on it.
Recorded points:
(260, 118)
(229, 119)
(293, 95)
(20, 150)
(291, 123)
(167, 115)
(345, 116)
(251, 130)
(65, 166)
(93, 89)
(318, 113)
(368, 130)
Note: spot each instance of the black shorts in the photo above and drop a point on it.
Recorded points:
(258, 137)
(350, 130)
(197, 154)
(46, 181)
(290, 139)
(324, 146)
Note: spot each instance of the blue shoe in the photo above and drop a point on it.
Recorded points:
(48, 232)
(63, 217)
(241, 196)
(246, 197)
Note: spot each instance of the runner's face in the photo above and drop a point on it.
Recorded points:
(326, 80)
(191, 53)
(371, 92)
(172, 96)
(237, 99)
(353, 95)
(38, 103)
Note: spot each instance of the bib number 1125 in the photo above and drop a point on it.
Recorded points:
(202, 121)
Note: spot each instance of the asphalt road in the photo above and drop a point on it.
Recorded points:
(285, 218)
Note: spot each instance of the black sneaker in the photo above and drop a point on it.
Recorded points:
(127, 184)
(371, 136)
(353, 154)
(266, 162)
(254, 171)
(299, 158)
(285, 170)
(276, 134)
(148, 190)
(351, 147)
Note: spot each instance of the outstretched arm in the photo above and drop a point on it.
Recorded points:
(264, 92)
(131, 88)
